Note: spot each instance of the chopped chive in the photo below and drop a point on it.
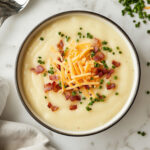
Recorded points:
(81, 28)
(108, 83)
(144, 21)
(100, 87)
(147, 92)
(77, 40)
(117, 47)
(44, 74)
(137, 25)
(143, 133)
(45, 97)
(59, 84)
(120, 52)
(40, 57)
(41, 62)
(51, 70)
(92, 54)
(80, 92)
(148, 31)
(83, 98)
(101, 81)
(80, 102)
(148, 63)
(96, 65)
(116, 93)
(104, 42)
(41, 38)
(134, 21)
(88, 108)
(91, 78)
(74, 93)
(113, 66)
(113, 53)
(91, 98)
(90, 36)
(115, 77)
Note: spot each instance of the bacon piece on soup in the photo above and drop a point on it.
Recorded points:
(53, 77)
(111, 86)
(49, 105)
(110, 72)
(115, 63)
(48, 87)
(73, 107)
(67, 94)
(54, 108)
(59, 67)
(99, 56)
(39, 69)
(60, 46)
(75, 98)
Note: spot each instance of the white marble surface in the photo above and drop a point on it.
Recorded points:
(122, 136)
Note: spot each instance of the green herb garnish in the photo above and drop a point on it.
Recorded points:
(74, 93)
(90, 36)
(147, 92)
(104, 42)
(51, 70)
(92, 54)
(41, 38)
(116, 93)
(96, 65)
(88, 108)
(115, 77)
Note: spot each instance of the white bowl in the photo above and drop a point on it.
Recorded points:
(125, 108)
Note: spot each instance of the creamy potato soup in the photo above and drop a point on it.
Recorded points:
(77, 72)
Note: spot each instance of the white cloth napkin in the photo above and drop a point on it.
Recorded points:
(18, 136)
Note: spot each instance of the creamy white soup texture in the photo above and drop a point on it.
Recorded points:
(99, 84)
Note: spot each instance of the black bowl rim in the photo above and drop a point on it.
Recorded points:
(61, 14)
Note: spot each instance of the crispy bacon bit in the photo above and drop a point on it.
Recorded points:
(39, 69)
(53, 77)
(75, 98)
(110, 72)
(55, 87)
(115, 63)
(111, 86)
(60, 46)
(48, 87)
(67, 94)
(52, 86)
(95, 48)
(59, 67)
(73, 107)
(99, 56)
(49, 105)
(97, 42)
(54, 108)
(87, 87)
(59, 59)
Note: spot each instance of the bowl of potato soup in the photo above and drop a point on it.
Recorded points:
(77, 73)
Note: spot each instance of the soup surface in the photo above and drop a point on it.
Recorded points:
(77, 72)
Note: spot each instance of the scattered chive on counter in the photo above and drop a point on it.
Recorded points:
(41, 38)
(142, 133)
(148, 63)
(147, 92)
(138, 8)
